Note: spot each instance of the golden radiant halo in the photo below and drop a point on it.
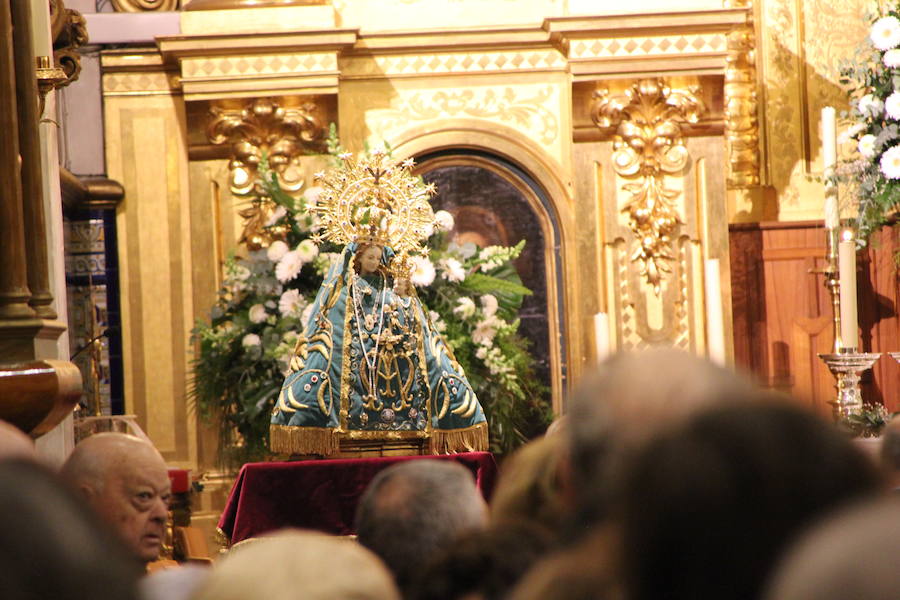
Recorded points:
(373, 199)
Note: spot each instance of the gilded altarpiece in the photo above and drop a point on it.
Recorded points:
(522, 94)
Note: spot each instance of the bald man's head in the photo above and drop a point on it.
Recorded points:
(126, 481)
(14, 443)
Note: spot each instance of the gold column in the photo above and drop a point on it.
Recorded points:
(14, 293)
(29, 146)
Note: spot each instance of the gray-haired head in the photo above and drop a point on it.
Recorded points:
(125, 479)
(298, 565)
(413, 510)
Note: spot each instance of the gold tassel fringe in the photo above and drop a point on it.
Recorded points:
(284, 439)
(452, 441)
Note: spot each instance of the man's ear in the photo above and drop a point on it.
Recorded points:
(86, 491)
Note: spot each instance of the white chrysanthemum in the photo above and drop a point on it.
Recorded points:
(444, 220)
(892, 106)
(850, 133)
(306, 315)
(866, 145)
(464, 308)
(890, 163)
(311, 195)
(452, 270)
(276, 216)
(276, 250)
(240, 273)
(489, 305)
(257, 313)
(422, 271)
(291, 303)
(870, 106)
(250, 340)
(307, 250)
(891, 58)
(289, 266)
(885, 33)
(485, 330)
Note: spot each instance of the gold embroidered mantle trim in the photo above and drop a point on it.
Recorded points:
(286, 439)
(648, 144)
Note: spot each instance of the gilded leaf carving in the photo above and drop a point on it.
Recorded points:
(647, 145)
(283, 134)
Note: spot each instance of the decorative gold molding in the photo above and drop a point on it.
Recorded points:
(642, 45)
(648, 144)
(264, 126)
(69, 31)
(531, 113)
(453, 63)
(741, 123)
(144, 5)
(648, 45)
(141, 83)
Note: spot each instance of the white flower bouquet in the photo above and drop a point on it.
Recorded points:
(245, 348)
(873, 81)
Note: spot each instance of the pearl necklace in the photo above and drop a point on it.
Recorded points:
(371, 363)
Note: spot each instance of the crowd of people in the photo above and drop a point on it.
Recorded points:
(668, 478)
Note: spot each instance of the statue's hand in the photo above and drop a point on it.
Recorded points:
(403, 287)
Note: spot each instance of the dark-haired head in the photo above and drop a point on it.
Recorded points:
(707, 508)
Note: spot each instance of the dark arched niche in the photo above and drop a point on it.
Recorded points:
(495, 203)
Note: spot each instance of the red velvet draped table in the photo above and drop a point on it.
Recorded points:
(319, 494)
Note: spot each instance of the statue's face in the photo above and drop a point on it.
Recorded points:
(369, 260)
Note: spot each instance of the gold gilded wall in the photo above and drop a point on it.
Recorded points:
(524, 93)
(800, 45)
(145, 150)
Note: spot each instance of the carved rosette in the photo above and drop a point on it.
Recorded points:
(648, 144)
(283, 134)
(741, 123)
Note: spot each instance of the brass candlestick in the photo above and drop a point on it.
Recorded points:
(833, 284)
(844, 362)
(846, 367)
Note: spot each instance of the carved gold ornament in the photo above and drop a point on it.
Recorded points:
(373, 199)
(741, 124)
(263, 126)
(144, 5)
(648, 144)
(68, 29)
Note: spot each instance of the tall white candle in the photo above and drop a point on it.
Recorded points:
(715, 323)
(847, 272)
(829, 162)
(601, 335)
(40, 28)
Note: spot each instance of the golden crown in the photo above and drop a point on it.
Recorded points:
(373, 199)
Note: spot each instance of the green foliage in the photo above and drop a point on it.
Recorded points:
(868, 422)
(244, 349)
(872, 86)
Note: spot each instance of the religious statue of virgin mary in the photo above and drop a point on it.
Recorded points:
(370, 364)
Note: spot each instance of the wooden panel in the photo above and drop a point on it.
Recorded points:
(782, 311)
